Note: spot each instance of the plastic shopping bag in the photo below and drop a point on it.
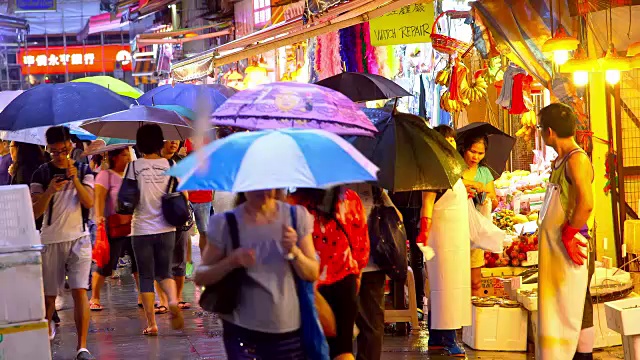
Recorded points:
(484, 234)
(101, 249)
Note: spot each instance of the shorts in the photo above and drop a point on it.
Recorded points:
(202, 212)
(153, 254)
(69, 258)
(477, 258)
(587, 315)
(342, 297)
(179, 260)
(116, 250)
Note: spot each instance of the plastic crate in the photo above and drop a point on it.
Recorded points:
(17, 225)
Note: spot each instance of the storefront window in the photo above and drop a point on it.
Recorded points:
(261, 12)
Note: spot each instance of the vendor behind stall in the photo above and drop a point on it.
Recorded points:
(479, 183)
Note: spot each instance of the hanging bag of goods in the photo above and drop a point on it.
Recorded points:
(444, 43)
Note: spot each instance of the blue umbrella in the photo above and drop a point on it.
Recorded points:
(274, 159)
(186, 95)
(58, 104)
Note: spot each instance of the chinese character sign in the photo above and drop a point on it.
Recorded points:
(77, 59)
(408, 25)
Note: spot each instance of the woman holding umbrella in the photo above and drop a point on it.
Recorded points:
(479, 183)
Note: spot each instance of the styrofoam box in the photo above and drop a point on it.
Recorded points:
(17, 225)
(22, 273)
(497, 329)
(28, 340)
(623, 316)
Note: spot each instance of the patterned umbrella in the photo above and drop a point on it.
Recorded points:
(294, 105)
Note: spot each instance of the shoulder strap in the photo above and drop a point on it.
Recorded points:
(294, 218)
(172, 179)
(232, 223)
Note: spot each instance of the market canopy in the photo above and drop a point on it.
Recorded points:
(285, 33)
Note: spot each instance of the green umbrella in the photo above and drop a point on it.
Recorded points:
(114, 141)
(410, 155)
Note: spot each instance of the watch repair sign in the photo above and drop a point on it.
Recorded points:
(410, 24)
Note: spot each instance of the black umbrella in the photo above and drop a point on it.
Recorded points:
(410, 155)
(500, 144)
(364, 87)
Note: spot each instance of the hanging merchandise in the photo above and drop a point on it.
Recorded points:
(458, 81)
(446, 44)
(327, 59)
(529, 121)
(347, 46)
(443, 76)
(358, 49)
(371, 61)
(521, 94)
(478, 89)
(504, 99)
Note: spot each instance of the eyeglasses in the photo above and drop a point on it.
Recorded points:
(63, 152)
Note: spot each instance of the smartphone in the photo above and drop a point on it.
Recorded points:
(60, 178)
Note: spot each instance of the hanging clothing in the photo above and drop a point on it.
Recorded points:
(449, 270)
(504, 99)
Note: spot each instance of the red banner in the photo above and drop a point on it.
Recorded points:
(75, 59)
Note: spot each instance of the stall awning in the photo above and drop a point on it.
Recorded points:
(104, 22)
(181, 36)
(347, 14)
(520, 28)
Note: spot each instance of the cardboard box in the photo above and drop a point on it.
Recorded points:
(28, 340)
(22, 273)
(623, 316)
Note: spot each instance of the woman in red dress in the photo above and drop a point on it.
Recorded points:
(341, 239)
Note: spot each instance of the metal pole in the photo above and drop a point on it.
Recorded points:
(64, 53)
(612, 179)
(102, 49)
(6, 57)
(622, 201)
(26, 53)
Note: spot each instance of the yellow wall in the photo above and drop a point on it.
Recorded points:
(603, 211)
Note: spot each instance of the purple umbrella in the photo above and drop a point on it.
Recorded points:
(125, 124)
(294, 105)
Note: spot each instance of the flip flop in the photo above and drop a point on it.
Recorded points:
(184, 305)
(161, 310)
(95, 307)
(148, 332)
(155, 306)
(177, 321)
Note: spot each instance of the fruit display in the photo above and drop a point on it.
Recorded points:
(504, 219)
(452, 106)
(514, 254)
(443, 76)
(477, 90)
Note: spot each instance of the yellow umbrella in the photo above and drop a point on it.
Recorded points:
(117, 86)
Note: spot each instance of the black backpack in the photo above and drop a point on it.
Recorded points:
(44, 174)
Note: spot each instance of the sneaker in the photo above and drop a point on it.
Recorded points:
(84, 354)
(455, 350)
(189, 269)
(55, 317)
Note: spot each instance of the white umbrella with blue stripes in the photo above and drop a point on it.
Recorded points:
(274, 159)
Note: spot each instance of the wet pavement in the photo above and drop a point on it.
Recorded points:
(116, 333)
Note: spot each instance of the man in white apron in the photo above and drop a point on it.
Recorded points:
(565, 313)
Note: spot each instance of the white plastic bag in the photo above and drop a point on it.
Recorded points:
(484, 234)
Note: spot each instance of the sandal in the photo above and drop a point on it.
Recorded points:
(184, 305)
(177, 321)
(161, 310)
(149, 332)
(95, 306)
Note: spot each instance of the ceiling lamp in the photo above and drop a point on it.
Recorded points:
(580, 65)
(254, 76)
(612, 64)
(560, 45)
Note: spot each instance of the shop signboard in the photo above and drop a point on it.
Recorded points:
(35, 5)
(74, 59)
(410, 24)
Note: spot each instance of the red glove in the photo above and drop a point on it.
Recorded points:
(573, 245)
(425, 228)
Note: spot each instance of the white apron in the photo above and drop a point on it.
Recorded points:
(562, 285)
(450, 268)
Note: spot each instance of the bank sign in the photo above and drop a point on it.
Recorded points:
(410, 24)
(74, 59)
(35, 5)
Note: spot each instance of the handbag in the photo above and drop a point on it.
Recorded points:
(118, 225)
(314, 340)
(101, 250)
(129, 194)
(224, 296)
(388, 241)
(175, 206)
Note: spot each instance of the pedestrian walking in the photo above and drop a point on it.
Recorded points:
(62, 191)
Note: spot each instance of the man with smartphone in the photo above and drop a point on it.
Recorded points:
(62, 191)
(567, 256)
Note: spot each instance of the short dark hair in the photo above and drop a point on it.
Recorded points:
(560, 118)
(111, 155)
(150, 139)
(467, 143)
(57, 134)
(445, 130)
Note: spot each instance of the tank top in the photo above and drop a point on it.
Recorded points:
(567, 192)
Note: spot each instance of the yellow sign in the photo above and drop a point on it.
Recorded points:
(408, 25)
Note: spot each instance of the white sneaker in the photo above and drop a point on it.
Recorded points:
(52, 329)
